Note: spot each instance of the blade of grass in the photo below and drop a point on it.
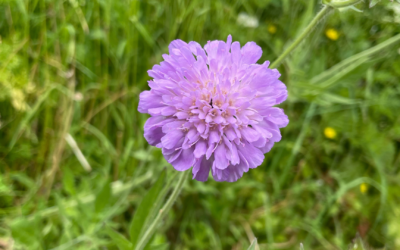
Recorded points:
(29, 115)
(119, 239)
(137, 228)
(78, 153)
(345, 63)
(163, 211)
(298, 143)
(254, 245)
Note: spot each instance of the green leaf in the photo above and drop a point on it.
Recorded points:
(160, 200)
(26, 232)
(24, 180)
(145, 208)
(68, 181)
(327, 99)
(253, 245)
(355, 9)
(151, 224)
(103, 198)
(372, 3)
(118, 239)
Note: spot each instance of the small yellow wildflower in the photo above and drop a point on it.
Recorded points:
(272, 29)
(330, 133)
(363, 188)
(332, 34)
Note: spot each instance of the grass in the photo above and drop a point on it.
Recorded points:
(74, 69)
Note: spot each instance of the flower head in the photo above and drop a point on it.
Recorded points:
(363, 188)
(330, 133)
(332, 34)
(212, 108)
(272, 29)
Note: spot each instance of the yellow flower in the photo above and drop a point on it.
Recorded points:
(332, 34)
(330, 133)
(272, 29)
(363, 188)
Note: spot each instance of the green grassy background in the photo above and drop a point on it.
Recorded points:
(77, 67)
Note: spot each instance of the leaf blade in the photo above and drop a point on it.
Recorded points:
(144, 209)
(118, 239)
(253, 245)
(103, 198)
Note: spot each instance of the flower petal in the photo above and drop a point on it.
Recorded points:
(185, 160)
(148, 100)
(221, 162)
(170, 140)
(252, 155)
(201, 149)
(201, 169)
(250, 134)
(251, 52)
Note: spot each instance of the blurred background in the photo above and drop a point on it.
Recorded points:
(74, 163)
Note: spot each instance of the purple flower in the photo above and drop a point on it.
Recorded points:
(212, 108)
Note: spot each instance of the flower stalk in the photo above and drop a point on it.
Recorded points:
(324, 11)
(329, 5)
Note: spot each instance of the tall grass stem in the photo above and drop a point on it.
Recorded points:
(325, 10)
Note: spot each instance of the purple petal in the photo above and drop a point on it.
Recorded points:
(171, 154)
(184, 161)
(210, 150)
(153, 129)
(230, 174)
(277, 116)
(250, 134)
(148, 100)
(251, 52)
(251, 155)
(201, 127)
(170, 140)
(201, 169)
(201, 149)
(235, 53)
(221, 162)
(214, 137)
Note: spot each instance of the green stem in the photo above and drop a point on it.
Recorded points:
(341, 4)
(163, 211)
(300, 38)
(348, 61)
